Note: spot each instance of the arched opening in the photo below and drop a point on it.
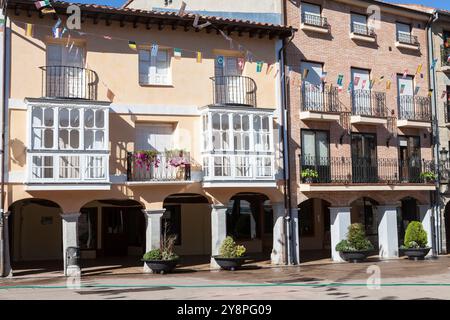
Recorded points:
(35, 236)
(314, 229)
(188, 217)
(250, 222)
(447, 226)
(364, 211)
(409, 211)
(111, 228)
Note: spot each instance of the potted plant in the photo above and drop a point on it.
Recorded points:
(231, 255)
(308, 175)
(356, 247)
(164, 259)
(428, 176)
(146, 158)
(415, 242)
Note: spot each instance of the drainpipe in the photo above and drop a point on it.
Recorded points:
(3, 153)
(435, 129)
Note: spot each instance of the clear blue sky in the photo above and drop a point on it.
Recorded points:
(442, 4)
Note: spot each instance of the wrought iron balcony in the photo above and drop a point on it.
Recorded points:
(315, 20)
(146, 166)
(363, 30)
(447, 112)
(68, 82)
(407, 38)
(320, 99)
(342, 170)
(445, 56)
(369, 103)
(414, 108)
(234, 90)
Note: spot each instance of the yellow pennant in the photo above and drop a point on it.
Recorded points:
(388, 84)
(132, 45)
(419, 69)
(199, 57)
(29, 30)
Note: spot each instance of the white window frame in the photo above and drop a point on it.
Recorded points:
(151, 64)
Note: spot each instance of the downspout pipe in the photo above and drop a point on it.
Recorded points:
(435, 129)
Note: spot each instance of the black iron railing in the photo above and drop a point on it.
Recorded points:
(361, 29)
(414, 108)
(447, 112)
(69, 82)
(320, 98)
(161, 167)
(407, 38)
(314, 20)
(234, 90)
(369, 103)
(344, 170)
(445, 56)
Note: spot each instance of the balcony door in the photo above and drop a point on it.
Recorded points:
(361, 92)
(409, 159)
(364, 158)
(229, 84)
(405, 87)
(316, 153)
(313, 96)
(65, 73)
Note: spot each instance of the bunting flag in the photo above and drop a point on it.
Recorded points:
(107, 37)
(444, 93)
(241, 63)
(416, 90)
(356, 80)
(388, 85)
(29, 30)
(42, 4)
(259, 66)
(340, 79)
(56, 30)
(182, 9)
(433, 64)
(323, 76)
(201, 26)
(371, 83)
(219, 61)
(154, 51)
(305, 73)
(405, 73)
(430, 92)
(419, 69)
(249, 56)
(132, 45)
(402, 88)
(199, 57)
(177, 53)
(48, 10)
(2, 25)
(363, 84)
(110, 95)
(350, 87)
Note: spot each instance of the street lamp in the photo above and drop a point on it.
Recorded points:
(443, 159)
(443, 155)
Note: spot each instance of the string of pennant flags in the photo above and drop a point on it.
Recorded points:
(58, 31)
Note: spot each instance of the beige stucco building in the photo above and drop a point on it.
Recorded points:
(111, 139)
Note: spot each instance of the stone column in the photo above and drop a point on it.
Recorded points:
(218, 230)
(278, 247)
(7, 267)
(152, 231)
(70, 239)
(295, 236)
(425, 211)
(387, 232)
(340, 220)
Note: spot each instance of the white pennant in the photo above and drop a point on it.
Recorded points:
(196, 25)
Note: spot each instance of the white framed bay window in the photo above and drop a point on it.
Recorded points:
(237, 145)
(67, 143)
(154, 70)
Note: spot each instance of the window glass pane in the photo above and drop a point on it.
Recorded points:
(237, 122)
(74, 139)
(225, 125)
(256, 123)
(216, 140)
(74, 118)
(99, 118)
(88, 139)
(309, 144)
(37, 138)
(48, 138)
(63, 139)
(265, 123)
(245, 123)
(37, 116)
(48, 117)
(99, 139)
(64, 117)
(216, 121)
(89, 118)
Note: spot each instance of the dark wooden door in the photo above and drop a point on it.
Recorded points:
(364, 158)
(115, 242)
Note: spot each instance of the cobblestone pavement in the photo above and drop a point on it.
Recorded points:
(399, 279)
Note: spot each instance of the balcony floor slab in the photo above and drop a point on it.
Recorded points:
(318, 116)
(150, 183)
(402, 45)
(361, 37)
(239, 184)
(413, 124)
(318, 29)
(372, 187)
(359, 119)
(67, 186)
